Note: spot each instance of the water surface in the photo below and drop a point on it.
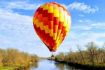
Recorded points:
(51, 65)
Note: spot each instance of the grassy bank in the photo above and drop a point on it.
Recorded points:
(7, 68)
(12, 59)
(91, 57)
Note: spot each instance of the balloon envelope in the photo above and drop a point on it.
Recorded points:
(52, 23)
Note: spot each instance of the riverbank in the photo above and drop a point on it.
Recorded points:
(7, 68)
(14, 68)
(12, 59)
(81, 66)
(11, 68)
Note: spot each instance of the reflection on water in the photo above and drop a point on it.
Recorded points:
(51, 65)
(62, 66)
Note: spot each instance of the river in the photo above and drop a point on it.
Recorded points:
(51, 65)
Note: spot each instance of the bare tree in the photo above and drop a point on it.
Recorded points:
(80, 52)
(92, 49)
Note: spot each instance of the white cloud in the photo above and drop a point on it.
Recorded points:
(14, 18)
(82, 7)
(88, 25)
(91, 36)
(21, 5)
(82, 39)
(16, 31)
(99, 25)
(82, 27)
(81, 15)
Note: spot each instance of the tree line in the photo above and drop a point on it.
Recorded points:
(92, 55)
(15, 58)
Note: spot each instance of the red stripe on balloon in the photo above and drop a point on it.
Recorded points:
(47, 39)
(46, 17)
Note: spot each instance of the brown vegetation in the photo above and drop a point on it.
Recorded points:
(93, 55)
(14, 58)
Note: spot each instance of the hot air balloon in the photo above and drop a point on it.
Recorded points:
(51, 22)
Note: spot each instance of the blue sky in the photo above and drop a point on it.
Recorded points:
(16, 27)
